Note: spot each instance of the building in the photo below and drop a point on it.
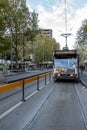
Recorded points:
(48, 31)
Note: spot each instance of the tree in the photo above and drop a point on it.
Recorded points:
(44, 47)
(4, 39)
(18, 22)
(33, 29)
(81, 40)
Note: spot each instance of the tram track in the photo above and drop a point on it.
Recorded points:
(64, 104)
(81, 106)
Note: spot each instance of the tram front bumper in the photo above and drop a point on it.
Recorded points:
(65, 76)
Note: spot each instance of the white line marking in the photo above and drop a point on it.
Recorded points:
(40, 88)
(31, 95)
(10, 110)
(15, 106)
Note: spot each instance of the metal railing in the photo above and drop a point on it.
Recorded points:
(22, 82)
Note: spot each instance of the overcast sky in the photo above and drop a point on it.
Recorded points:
(51, 15)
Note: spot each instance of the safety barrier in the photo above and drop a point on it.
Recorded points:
(23, 82)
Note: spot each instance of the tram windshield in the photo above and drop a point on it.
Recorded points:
(66, 62)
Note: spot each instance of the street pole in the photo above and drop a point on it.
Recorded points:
(11, 48)
(23, 52)
(43, 54)
(66, 35)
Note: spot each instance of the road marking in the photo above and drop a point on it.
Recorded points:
(18, 104)
(31, 95)
(15, 106)
(10, 110)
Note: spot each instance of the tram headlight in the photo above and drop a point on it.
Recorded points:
(58, 75)
(74, 75)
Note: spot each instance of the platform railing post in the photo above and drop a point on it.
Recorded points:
(23, 99)
(38, 82)
(45, 79)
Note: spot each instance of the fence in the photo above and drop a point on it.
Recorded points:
(22, 82)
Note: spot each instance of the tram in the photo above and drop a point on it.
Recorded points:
(66, 65)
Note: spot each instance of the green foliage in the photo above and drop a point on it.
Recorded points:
(3, 67)
(44, 47)
(19, 27)
(81, 41)
(15, 18)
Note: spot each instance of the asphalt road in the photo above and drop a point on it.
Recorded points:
(13, 97)
(61, 111)
(55, 107)
(22, 114)
(58, 106)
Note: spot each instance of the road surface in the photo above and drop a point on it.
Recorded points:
(62, 111)
(57, 106)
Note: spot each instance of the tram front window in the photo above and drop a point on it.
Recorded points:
(65, 62)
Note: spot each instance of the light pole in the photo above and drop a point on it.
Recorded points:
(11, 52)
(43, 56)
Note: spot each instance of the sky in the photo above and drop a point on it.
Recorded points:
(51, 15)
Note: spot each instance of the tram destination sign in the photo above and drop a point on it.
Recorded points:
(65, 52)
